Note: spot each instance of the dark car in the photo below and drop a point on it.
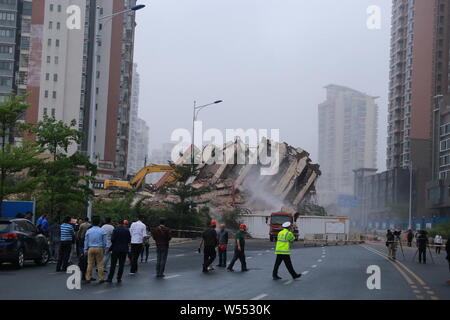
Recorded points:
(20, 240)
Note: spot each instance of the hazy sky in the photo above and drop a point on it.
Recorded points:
(267, 59)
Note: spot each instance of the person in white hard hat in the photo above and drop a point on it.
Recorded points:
(283, 251)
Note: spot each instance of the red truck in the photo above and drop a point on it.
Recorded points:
(276, 221)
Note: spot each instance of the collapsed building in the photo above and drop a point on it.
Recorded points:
(258, 180)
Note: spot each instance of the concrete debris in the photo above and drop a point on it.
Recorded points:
(240, 182)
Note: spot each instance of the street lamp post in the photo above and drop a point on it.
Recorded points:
(410, 194)
(435, 132)
(92, 114)
(195, 112)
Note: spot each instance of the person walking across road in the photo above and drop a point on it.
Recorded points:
(94, 249)
(209, 242)
(438, 243)
(42, 225)
(239, 249)
(120, 241)
(410, 237)
(223, 246)
(67, 237)
(391, 244)
(162, 237)
(422, 243)
(138, 232)
(146, 248)
(108, 227)
(283, 252)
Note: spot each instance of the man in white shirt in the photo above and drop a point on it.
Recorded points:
(438, 243)
(138, 232)
(108, 227)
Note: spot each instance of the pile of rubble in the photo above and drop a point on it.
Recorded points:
(240, 182)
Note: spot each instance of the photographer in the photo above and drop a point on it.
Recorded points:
(391, 244)
(422, 243)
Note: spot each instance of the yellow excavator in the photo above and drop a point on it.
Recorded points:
(139, 179)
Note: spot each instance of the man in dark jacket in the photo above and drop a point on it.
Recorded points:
(162, 236)
(120, 241)
(410, 237)
(223, 245)
(422, 243)
(209, 240)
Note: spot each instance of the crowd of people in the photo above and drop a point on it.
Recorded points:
(211, 239)
(422, 243)
(104, 247)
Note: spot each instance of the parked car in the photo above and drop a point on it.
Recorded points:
(20, 240)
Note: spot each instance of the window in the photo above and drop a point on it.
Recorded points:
(54, 95)
(50, 25)
(57, 42)
(47, 76)
(51, 6)
(56, 59)
(6, 49)
(46, 93)
(7, 16)
(6, 33)
(55, 77)
(48, 59)
(45, 112)
(53, 112)
(58, 25)
(5, 82)
(59, 8)
(6, 65)
(49, 42)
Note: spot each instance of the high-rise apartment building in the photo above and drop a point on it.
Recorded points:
(61, 72)
(419, 60)
(139, 132)
(347, 140)
(15, 27)
(419, 82)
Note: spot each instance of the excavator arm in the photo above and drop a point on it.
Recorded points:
(139, 178)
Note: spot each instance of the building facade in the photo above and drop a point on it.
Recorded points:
(15, 28)
(61, 72)
(347, 140)
(139, 132)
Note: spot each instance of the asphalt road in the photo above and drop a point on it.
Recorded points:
(330, 272)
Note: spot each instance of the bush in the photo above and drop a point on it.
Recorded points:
(442, 229)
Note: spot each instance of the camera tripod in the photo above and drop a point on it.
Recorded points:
(397, 238)
(429, 250)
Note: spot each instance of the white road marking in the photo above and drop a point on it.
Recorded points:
(267, 250)
(305, 272)
(323, 256)
(152, 260)
(314, 266)
(259, 254)
(320, 260)
(288, 282)
(171, 277)
(259, 297)
(103, 291)
(180, 255)
(249, 257)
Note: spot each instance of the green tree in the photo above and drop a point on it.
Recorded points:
(63, 179)
(14, 159)
(183, 190)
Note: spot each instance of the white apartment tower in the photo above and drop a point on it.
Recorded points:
(347, 140)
